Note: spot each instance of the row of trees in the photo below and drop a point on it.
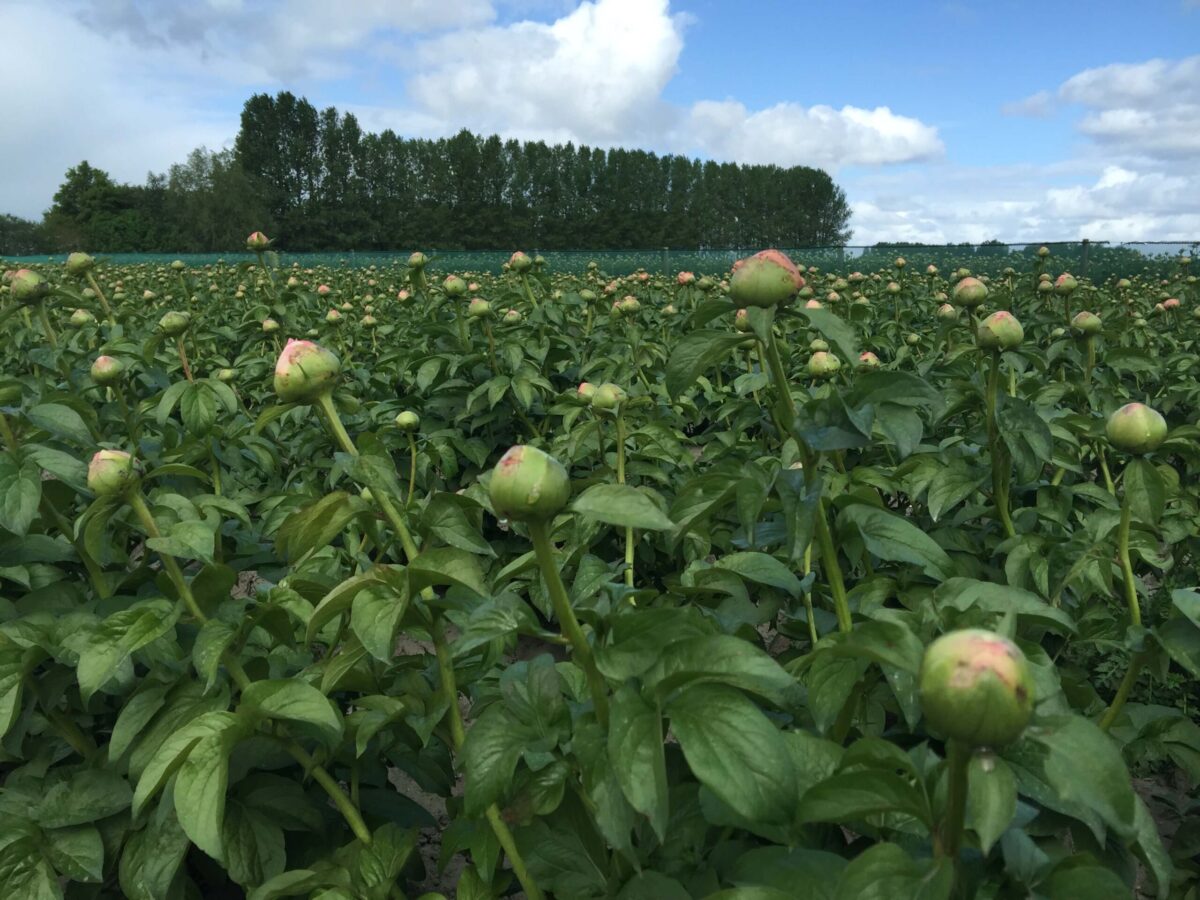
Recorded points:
(315, 180)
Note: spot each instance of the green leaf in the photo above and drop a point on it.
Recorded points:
(186, 540)
(1084, 766)
(380, 864)
(490, 753)
(635, 747)
(851, 796)
(620, 504)
(891, 537)
(76, 852)
(87, 796)
(991, 798)
(214, 639)
(695, 354)
(762, 569)
(951, 486)
(446, 565)
(735, 751)
(174, 750)
(724, 659)
(1026, 434)
(294, 701)
(20, 493)
(317, 525)
(889, 643)
(649, 885)
(200, 791)
(339, 600)
(253, 845)
(375, 616)
(886, 872)
(800, 873)
(834, 330)
(62, 422)
(1144, 491)
(1080, 876)
(118, 637)
(302, 882)
(25, 874)
(152, 858)
(446, 520)
(1002, 600)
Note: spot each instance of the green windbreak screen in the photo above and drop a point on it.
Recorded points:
(1098, 260)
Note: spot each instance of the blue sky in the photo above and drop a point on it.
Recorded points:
(943, 120)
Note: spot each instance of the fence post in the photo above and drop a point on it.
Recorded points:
(1084, 262)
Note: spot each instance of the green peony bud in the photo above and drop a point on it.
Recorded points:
(969, 292)
(1136, 428)
(28, 287)
(975, 687)
(418, 260)
(519, 262)
(608, 397)
(174, 323)
(947, 313)
(226, 376)
(408, 420)
(79, 264)
(113, 473)
(529, 485)
(479, 308)
(82, 318)
(304, 372)
(1065, 284)
(765, 280)
(1000, 331)
(107, 370)
(454, 286)
(823, 365)
(868, 360)
(1086, 324)
(257, 242)
(511, 316)
(270, 326)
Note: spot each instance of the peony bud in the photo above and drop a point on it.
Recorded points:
(1065, 284)
(608, 397)
(81, 318)
(226, 376)
(1000, 331)
(174, 323)
(868, 360)
(765, 280)
(479, 308)
(529, 485)
(408, 420)
(1086, 324)
(28, 287)
(257, 242)
(1136, 428)
(586, 390)
(454, 286)
(113, 473)
(969, 292)
(975, 686)
(520, 262)
(270, 326)
(418, 260)
(947, 313)
(305, 371)
(79, 264)
(823, 365)
(107, 370)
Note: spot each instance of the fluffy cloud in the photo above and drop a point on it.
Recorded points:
(787, 134)
(595, 75)
(1144, 109)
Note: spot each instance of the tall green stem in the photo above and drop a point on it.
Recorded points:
(949, 835)
(91, 279)
(1135, 613)
(581, 649)
(629, 560)
(1000, 484)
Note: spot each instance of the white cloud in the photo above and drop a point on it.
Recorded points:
(595, 75)
(1146, 109)
(788, 134)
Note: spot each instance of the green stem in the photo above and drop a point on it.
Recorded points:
(528, 290)
(412, 468)
(10, 438)
(629, 560)
(183, 360)
(509, 845)
(1135, 613)
(999, 458)
(779, 376)
(352, 816)
(1108, 482)
(949, 836)
(581, 650)
(100, 296)
(46, 326)
(833, 570)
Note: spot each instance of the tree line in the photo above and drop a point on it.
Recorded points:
(315, 180)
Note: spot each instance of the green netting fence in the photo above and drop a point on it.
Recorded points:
(1095, 259)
